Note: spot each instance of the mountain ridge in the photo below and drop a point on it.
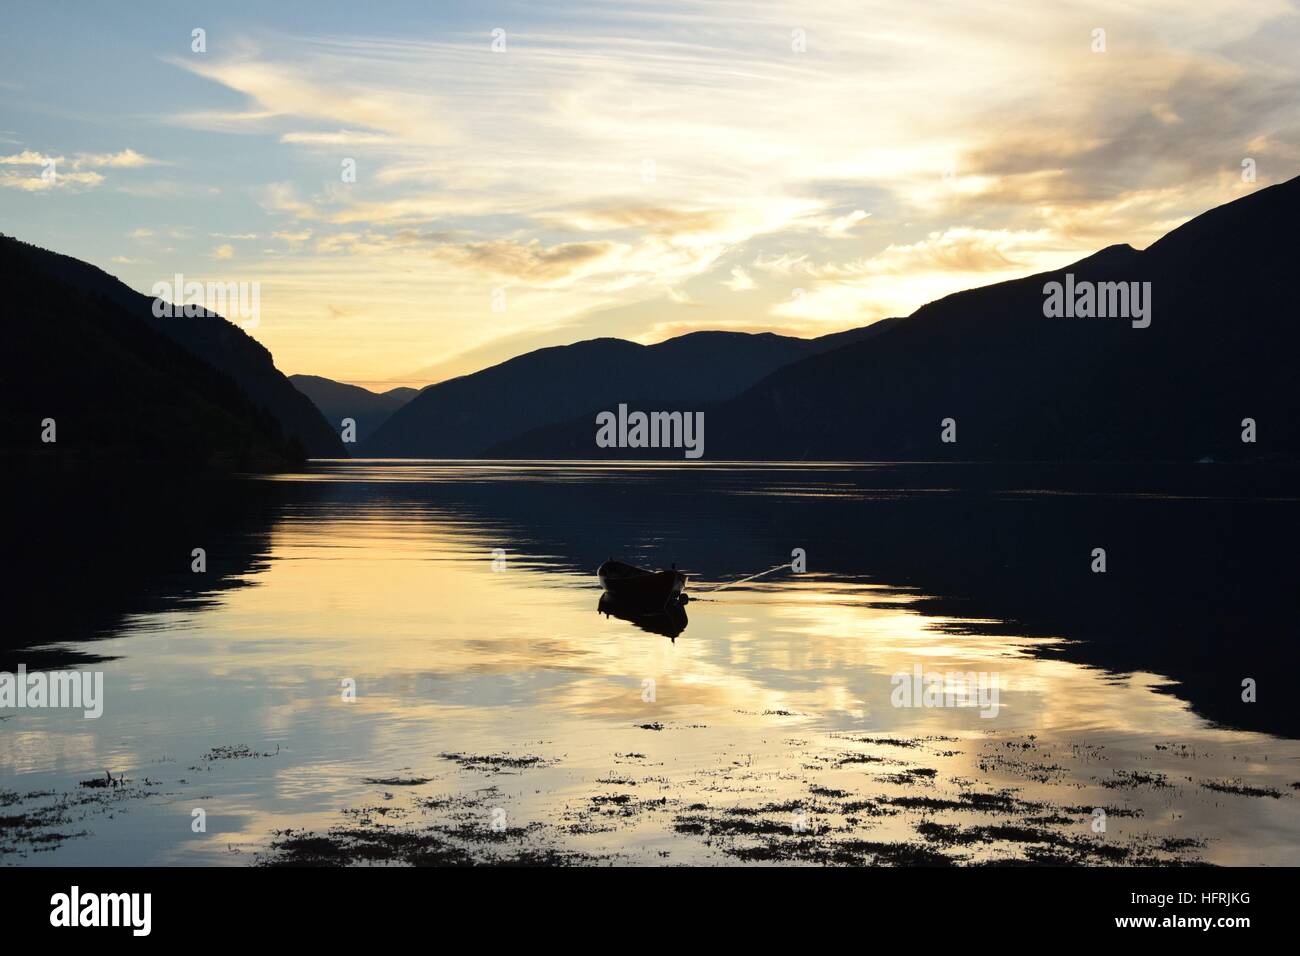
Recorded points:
(465, 416)
(337, 401)
(88, 385)
(211, 338)
(1086, 388)
(1019, 385)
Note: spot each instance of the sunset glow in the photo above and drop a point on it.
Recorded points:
(629, 171)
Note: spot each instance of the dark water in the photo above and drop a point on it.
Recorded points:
(460, 601)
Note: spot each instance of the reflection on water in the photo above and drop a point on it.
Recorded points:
(669, 620)
(456, 599)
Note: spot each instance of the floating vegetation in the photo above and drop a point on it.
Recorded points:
(239, 752)
(812, 806)
(496, 763)
(1241, 789)
(1127, 779)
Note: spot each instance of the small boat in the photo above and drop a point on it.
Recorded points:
(635, 586)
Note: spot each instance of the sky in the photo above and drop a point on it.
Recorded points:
(527, 177)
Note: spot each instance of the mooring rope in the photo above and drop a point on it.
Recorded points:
(727, 584)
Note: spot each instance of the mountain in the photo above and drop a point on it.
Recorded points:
(338, 400)
(216, 341)
(119, 391)
(465, 417)
(1021, 386)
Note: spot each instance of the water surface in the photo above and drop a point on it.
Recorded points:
(499, 715)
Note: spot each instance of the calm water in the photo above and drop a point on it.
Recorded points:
(497, 712)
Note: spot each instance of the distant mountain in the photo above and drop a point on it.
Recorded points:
(1021, 386)
(119, 392)
(219, 343)
(467, 416)
(338, 400)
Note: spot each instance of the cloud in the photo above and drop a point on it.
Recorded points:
(900, 278)
(58, 173)
(29, 158)
(646, 219)
(964, 253)
(341, 137)
(225, 251)
(960, 249)
(529, 261)
(72, 181)
(739, 281)
(413, 209)
(293, 238)
(357, 243)
(225, 121)
(283, 198)
(836, 227)
(126, 159)
(324, 88)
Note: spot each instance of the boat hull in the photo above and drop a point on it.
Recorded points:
(637, 586)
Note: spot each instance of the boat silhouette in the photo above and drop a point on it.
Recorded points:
(628, 584)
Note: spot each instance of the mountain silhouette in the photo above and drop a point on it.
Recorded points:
(119, 392)
(465, 417)
(1020, 386)
(1015, 383)
(338, 400)
(217, 342)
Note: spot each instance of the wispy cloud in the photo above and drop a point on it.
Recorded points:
(341, 137)
(126, 159)
(529, 261)
(739, 280)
